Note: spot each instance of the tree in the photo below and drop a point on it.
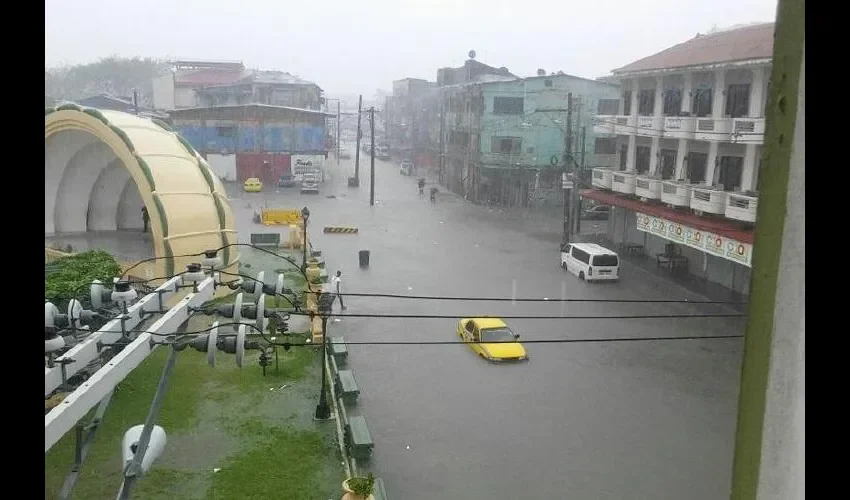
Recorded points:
(113, 75)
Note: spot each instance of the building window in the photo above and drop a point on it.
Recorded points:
(668, 163)
(731, 168)
(696, 167)
(547, 83)
(646, 102)
(608, 107)
(506, 145)
(702, 102)
(672, 102)
(228, 131)
(605, 146)
(624, 156)
(627, 102)
(507, 105)
(738, 100)
(642, 154)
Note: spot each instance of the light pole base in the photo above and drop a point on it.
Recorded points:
(323, 413)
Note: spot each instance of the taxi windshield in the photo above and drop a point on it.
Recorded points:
(502, 334)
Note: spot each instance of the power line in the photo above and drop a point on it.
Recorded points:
(455, 316)
(525, 299)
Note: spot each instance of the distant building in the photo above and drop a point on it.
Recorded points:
(472, 71)
(689, 131)
(200, 83)
(412, 113)
(123, 104)
(238, 140)
(505, 139)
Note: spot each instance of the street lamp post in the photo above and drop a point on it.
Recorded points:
(323, 411)
(305, 214)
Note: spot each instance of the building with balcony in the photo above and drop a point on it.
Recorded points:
(412, 118)
(504, 138)
(689, 130)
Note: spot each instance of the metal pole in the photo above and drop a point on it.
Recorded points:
(131, 475)
(304, 247)
(357, 153)
(568, 161)
(136, 101)
(579, 179)
(337, 132)
(372, 157)
(440, 174)
(323, 411)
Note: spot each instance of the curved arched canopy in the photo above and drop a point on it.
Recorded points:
(101, 167)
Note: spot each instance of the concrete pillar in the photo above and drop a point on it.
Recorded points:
(681, 155)
(756, 93)
(711, 166)
(748, 173)
(654, 155)
(625, 85)
(718, 97)
(630, 157)
(687, 99)
(635, 90)
(658, 104)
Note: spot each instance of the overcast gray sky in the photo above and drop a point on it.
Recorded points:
(348, 47)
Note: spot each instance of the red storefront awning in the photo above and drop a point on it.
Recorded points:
(721, 227)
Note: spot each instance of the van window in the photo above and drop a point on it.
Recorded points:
(581, 255)
(607, 260)
(565, 248)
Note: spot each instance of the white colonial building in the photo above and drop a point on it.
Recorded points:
(690, 129)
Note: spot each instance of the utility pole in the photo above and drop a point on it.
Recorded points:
(136, 102)
(440, 174)
(568, 161)
(372, 157)
(357, 153)
(579, 180)
(338, 114)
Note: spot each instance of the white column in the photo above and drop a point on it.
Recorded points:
(635, 90)
(653, 155)
(681, 154)
(756, 93)
(711, 166)
(749, 174)
(630, 157)
(718, 97)
(686, 92)
(659, 97)
(624, 86)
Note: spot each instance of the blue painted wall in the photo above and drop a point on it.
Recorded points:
(275, 138)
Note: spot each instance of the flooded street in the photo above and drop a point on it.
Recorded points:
(596, 420)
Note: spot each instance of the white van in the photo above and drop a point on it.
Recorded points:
(590, 261)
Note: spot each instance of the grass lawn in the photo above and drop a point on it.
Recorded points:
(257, 431)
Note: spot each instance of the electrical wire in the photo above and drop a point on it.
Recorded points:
(455, 316)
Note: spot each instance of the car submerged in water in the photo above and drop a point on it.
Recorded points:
(310, 183)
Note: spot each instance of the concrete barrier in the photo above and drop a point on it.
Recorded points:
(275, 216)
(265, 239)
(341, 229)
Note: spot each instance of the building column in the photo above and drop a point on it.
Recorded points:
(634, 108)
(625, 85)
(756, 93)
(681, 156)
(687, 99)
(718, 97)
(654, 155)
(630, 157)
(711, 166)
(749, 174)
(658, 103)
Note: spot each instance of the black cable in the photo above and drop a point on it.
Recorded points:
(455, 316)
(506, 299)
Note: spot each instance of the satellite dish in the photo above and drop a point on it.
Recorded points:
(541, 72)
(472, 54)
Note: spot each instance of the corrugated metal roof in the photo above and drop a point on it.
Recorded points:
(741, 44)
(256, 105)
(209, 77)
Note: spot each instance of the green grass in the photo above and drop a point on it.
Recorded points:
(199, 398)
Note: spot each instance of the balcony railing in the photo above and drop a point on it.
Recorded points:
(511, 160)
(708, 199)
(742, 206)
(676, 193)
(679, 127)
(748, 130)
(602, 178)
(604, 124)
(648, 187)
(623, 182)
(713, 129)
(650, 126)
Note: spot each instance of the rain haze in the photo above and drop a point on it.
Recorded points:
(357, 47)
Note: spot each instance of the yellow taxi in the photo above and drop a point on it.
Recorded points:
(491, 339)
(253, 185)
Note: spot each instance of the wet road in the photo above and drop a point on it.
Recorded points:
(598, 420)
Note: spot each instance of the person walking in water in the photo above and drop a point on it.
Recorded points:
(336, 281)
(146, 219)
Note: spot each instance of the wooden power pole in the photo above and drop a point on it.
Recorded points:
(357, 153)
(568, 162)
(372, 157)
